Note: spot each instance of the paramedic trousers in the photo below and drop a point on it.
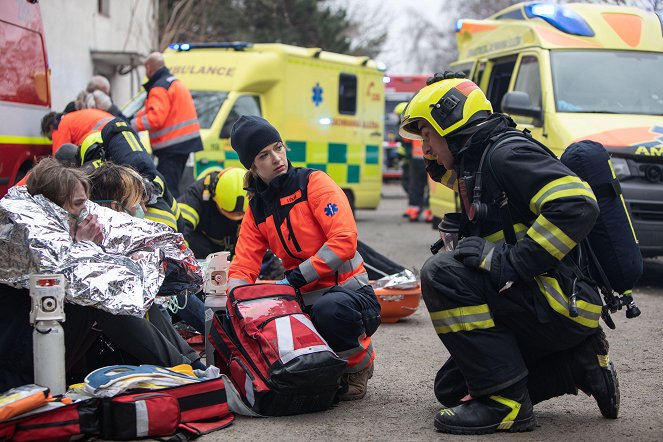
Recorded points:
(346, 319)
(493, 338)
(417, 183)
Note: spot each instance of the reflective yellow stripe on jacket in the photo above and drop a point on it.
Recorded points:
(161, 216)
(551, 237)
(462, 319)
(560, 188)
(189, 214)
(588, 313)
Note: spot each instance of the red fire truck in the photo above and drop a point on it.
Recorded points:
(24, 89)
(397, 88)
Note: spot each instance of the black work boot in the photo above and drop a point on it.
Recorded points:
(595, 374)
(509, 410)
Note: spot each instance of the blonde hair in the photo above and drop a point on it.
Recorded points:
(84, 100)
(92, 100)
(112, 182)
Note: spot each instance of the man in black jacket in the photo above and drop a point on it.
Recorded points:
(509, 303)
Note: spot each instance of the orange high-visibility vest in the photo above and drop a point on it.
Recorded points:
(75, 126)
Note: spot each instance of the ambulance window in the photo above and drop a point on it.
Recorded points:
(244, 105)
(528, 79)
(498, 84)
(23, 77)
(207, 106)
(347, 94)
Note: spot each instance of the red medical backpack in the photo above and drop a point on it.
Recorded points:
(271, 351)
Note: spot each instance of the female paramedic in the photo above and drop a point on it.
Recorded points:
(306, 220)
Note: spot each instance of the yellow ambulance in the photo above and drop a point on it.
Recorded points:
(328, 107)
(572, 72)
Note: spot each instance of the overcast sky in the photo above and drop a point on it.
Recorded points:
(394, 54)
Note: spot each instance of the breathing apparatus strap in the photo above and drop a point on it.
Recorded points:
(207, 192)
(501, 201)
(209, 185)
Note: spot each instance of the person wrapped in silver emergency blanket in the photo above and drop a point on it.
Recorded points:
(135, 261)
(114, 265)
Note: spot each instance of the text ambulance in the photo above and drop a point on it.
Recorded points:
(328, 107)
(24, 90)
(573, 72)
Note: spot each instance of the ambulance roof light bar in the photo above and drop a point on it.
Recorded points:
(236, 45)
(560, 17)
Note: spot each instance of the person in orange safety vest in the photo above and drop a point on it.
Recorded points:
(170, 117)
(73, 127)
(306, 220)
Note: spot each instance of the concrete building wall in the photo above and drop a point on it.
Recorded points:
(88, 37)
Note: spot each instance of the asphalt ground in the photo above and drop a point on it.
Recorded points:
(400, 404)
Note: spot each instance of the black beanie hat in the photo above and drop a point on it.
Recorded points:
(250, 135)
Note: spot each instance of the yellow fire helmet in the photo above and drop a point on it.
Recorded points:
(229, 194)
(92, 148)
(448, 105)
(400, 107)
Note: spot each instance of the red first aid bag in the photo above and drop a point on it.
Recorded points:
(273, 354)
(54, 424)
(194, 409)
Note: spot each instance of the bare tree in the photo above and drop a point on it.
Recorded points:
(175, 16)
(434, 46)
(369, 26)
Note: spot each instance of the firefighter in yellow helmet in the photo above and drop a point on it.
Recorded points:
(509, 303)
(212, 209)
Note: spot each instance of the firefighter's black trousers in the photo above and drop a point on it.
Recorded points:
(493, 337)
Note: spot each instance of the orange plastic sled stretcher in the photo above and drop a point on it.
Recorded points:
(398, 303)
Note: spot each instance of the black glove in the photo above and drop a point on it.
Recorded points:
(478, 253)
(295, 278)
(434, 170)
(446, 75)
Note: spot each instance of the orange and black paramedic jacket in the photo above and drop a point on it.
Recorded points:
(306, 220)
(75, 126)
(169, 115)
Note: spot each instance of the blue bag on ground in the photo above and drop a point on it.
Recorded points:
(612, 238)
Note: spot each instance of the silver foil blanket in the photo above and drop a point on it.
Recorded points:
(137, 260)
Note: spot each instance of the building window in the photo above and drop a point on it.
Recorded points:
(103, 7)
(347, 94)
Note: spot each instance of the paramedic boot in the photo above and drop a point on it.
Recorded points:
(595, 374)
(508, 410)
(413, 214)
(356, 384)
